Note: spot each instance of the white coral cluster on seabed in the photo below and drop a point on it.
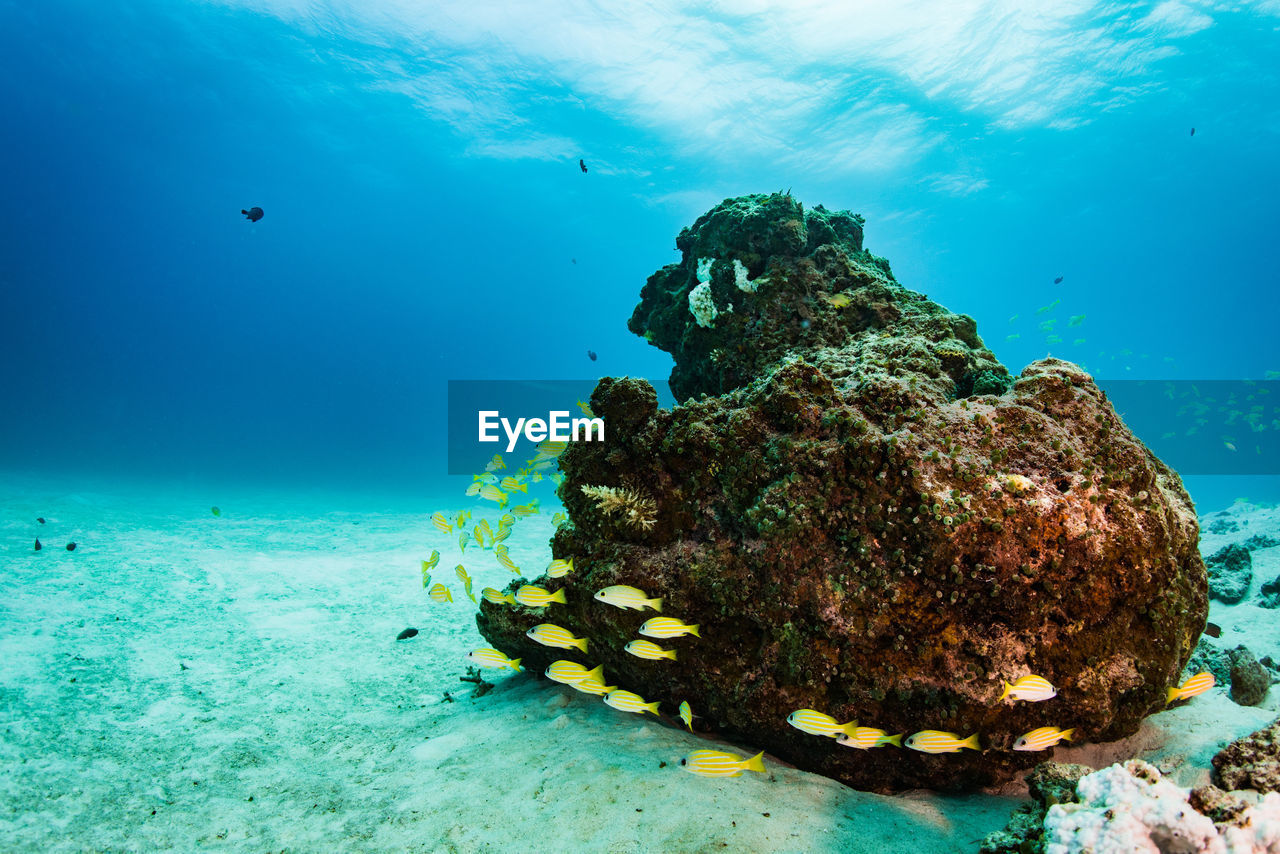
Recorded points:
(1130, 808)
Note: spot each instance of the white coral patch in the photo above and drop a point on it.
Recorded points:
(704, 269)
(702, 306)
(740, 278)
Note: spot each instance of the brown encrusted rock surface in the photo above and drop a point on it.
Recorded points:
(859, 533)
(1252, 762)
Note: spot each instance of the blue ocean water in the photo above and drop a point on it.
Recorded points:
(426, 218)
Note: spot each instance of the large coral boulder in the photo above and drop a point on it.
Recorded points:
(866, 516)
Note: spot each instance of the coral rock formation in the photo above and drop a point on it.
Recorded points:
(1230, 573)
(868, 516)
(1252, 762)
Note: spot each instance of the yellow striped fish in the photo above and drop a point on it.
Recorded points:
(505, 559)
(461, 572)
(439, 520)
(430, 563)
(1043, 738)
(649, 650)
(667, 627)
(549, 634)
(496, 464)
(551, 449)
(462, 519)
(473, 488)
(537, 477)
(557, 478)
(440, 593)
(838, 300)
(558, 518)
(483, 527)
(494, 658)
(530, 509)
(501, 535)
(571, 672)
(492, 493)
(715, 763)
(426, 576)
(1032, 688)
(686, 714)
(510, 484)
(816, 723)
(622, 596)
(534, 596)
(865, 737)
(586, 409)
(1197, 684)
(487, 477)
(593, 686)
(490, 594)
(625, 701)
(506, 520)
(462, 541)
(560, 568)
(933, 741)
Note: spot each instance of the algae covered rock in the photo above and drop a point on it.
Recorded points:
(867, 516)
(1252, 762)
(1230, 573)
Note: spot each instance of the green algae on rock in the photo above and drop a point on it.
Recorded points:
(867, 516)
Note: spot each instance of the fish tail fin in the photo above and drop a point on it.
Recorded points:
(515, 664)
(1066, 734)
(671, 654)
(581, 644)
(972, 743)
(1173, 695)
(693, 630)
(243, 211)
(895, 740)
(558, 596)
(657, 604)
(850, 729)
(755, 763)
(652, 707)
(1007, 689)
(596, 675)
(689, 724)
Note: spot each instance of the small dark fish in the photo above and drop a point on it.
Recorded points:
(217, 511)
(582, 165)
(574, 260)
(1213, 630)
(591, 354)
(407, 633)
(254, 213)
(40, 519)
(1058, 281)
(38, 546)
(1193, 131)
(71, 546)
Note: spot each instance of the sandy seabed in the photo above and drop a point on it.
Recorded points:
(189, 682)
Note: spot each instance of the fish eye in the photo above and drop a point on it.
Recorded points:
(682, 761)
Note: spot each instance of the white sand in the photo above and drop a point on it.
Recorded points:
(299, 724)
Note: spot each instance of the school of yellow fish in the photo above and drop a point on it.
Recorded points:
(709, 763)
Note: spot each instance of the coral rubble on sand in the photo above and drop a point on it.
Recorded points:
(868, 516)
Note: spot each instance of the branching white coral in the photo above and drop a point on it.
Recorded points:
(635, 508)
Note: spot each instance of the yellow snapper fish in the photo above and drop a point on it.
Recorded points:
(625, 701)
(462, 519)
(560, 568)
(439, 520)
(816, 723)
(501, 535)
(865, 737)
(473, 489)
(506, 520)
(571, 672)
(440, 593)
(933, 741)
(541, 463)
(1031, 688)
(506, 561)
(622, 596)
(461, 572)
(549, 634)
(537, 477)
(686, 714)
(494, 658)
(838, 300)
(557, 478)
(510, 484)
(1197, 684)
(716, 763)
(551, 449)
(492, 493)
(496, 463)
(594, 686)
(462, 541)
(487, 477)
(667, 627)
(478, 536)
(491, 594)
(586, 409)
(649, 650)
(534, 596)
(1043, 738)
(557, 518)
(530, 509)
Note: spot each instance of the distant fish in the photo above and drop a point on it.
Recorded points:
(933, 741)
(510, 484)
(490, 594)
(668, 627)
(1197, 684)
(559, 568)
(838, 300)
(1043, 738)
(492, 493)
(407, 633)
(865, 737)
(533, 596)
(463, 538)
(440, 593)
(649, 650)
(217, 511)
(686, 714)
(496, 463)
(487, 477)
(591, 354)
(430, 563)
(1213, 630)
(549, 634)
(625, 701)
(71, 546)
(1030, 688)
(441, 523)
(581, 165)
(494, 659)
(1193, 131)
(1058, 281)
(622, 596)
(253, 214)
(40, 519)
(716, 763)
(817, 723)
